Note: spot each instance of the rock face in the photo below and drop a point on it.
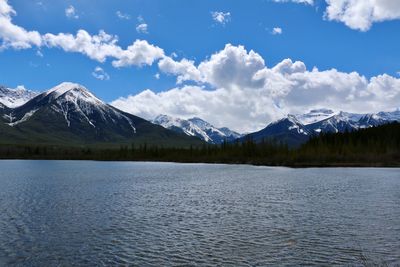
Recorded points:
(69, 112)
(197, 127)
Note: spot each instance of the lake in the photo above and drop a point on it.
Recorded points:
(65, 213)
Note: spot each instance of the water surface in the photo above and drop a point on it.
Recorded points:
(64, 213)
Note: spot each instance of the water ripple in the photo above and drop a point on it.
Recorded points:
(67, 213)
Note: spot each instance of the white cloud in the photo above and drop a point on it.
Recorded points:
(70, 12)
(102, 46)
(184, 69)
(100, 74)
(157, 76)
(277, 31)
(221, 17)
(231, 66)
(358, 14)
(142, 27)
(121, 15)
(98, 47)
(241, 109)
(138, 54)
(361, 14)
(247, 94)
(14, 36)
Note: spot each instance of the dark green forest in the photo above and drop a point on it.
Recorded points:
(376, 146)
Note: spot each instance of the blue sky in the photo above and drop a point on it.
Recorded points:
(187, 29)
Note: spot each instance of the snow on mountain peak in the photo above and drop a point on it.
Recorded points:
(315, 115)
(73, 92)
(13, 98)
(63, 88)
(197, 127)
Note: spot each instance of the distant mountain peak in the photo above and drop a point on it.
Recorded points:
(73, 92)
(315, 115)
(197, 127)
(12, 98)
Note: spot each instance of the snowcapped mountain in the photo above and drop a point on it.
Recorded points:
(379, 118)
(296, 129)
(288, 130)
(314, 115)
(15, 97)
(77, 106)
(71, 112)
(339, 122)
(197, 127)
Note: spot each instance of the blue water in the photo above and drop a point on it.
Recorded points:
(66, 213)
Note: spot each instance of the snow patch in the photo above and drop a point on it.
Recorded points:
(24, 118)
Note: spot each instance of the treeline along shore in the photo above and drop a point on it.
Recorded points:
(374, 147)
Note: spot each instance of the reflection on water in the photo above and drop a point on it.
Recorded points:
(96, 213)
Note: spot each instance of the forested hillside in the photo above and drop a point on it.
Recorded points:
(376, 146)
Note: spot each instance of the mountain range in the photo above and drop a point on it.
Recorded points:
(199, 128)
(297, 129)
(69, 114)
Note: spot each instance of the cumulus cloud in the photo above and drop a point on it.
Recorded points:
(277, 31)
(100, 74)
(98, 47)
(185, 70)
(246, 94)
(102, 46)
(358, 14)
(231, 66)
(70, 12)
(138, 54)
(241, 109)
(361, 14)
(221, 17)
(12, 35)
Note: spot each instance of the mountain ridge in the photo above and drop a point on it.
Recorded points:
(297, 129)
(197, 127)
(70, 113)
(13, 98)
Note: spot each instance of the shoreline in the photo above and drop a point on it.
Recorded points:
(292, 166)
